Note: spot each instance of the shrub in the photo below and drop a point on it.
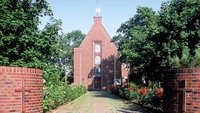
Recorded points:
(56, 95)
(157, 100)
(130, 92)
(115, 90)
(153, 96)
(159, 93)
(147, 96)
(186, 59)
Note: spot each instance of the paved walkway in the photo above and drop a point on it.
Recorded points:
(99, 102)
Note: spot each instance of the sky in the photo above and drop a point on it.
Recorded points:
(78, 14)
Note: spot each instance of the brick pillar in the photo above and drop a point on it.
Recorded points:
(20, 90)
(182, 90)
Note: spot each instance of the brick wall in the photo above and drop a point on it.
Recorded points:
(182, 90)
(20, 90)
(84, 58)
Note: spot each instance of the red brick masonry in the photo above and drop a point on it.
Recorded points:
(84, 59)
(20, 90)
(182, 90)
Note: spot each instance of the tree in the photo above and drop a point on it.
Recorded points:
(135, 45)
(21, 43)
(67, 44)
(180, 35)
(154, 41)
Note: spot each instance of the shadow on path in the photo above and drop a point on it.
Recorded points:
(120, 105)
(99, 102)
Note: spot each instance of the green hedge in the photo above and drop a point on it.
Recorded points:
(57, 95)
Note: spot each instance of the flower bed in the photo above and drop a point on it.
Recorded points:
(151, 96)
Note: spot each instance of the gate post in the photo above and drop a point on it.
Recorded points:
(20, 90)
(181, 90)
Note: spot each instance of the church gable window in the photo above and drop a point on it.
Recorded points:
(97, 48)
(97, 60)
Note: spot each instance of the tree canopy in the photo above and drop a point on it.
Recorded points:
(180, 34)
(154, 41)
(67, 43)
(23, 44)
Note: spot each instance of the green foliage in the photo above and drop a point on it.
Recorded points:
(20, 43)
(67, 43)
(153, 41)
(52, 75)
(154, 85)
(56, 95)
(130, 92)
(131, 95)
(135, 45)
(151, 96)
(144, 99)
(196, 58)
(133, 85)
(135, 38)
(186, 59)
(23, 44)
(175, 61)
(180, 23)
(57, 92)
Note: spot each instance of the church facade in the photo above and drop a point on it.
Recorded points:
(96, 60)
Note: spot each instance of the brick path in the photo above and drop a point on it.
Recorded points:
(99, 102)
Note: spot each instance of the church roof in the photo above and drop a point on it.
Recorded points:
(97, 32)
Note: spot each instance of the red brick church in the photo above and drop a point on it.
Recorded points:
(96, 60)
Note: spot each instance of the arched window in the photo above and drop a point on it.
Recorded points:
(97, 48)
(97, 60)
(97, 70)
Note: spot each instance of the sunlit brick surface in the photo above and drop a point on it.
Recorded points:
(20, 90)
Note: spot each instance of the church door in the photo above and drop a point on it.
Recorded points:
(97, 83)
